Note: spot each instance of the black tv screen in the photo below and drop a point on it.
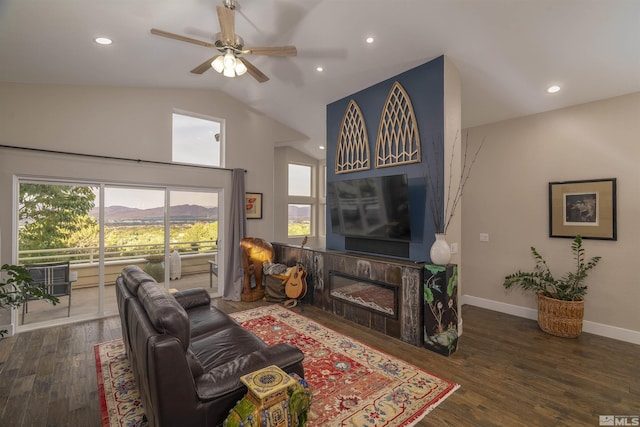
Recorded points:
(375, 207)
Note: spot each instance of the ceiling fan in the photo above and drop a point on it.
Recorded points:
(230, 46)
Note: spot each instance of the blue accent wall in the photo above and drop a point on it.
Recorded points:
(425, 87)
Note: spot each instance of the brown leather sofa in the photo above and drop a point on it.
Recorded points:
(187, 357)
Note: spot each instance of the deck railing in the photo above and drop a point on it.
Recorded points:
(194, 257)
(90, 254)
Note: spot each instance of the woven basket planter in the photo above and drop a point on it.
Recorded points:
(560, 318)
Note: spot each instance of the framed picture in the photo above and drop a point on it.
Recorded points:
(253, 205)
(587, 208)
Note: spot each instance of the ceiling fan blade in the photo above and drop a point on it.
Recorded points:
(206, 65)
(254, 72)
(271, 50)
(227, 24)
(181, 38)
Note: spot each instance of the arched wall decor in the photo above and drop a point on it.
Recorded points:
(398, 140)
(424, 84)
(352, 152)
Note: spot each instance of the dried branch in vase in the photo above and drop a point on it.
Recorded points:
(443, 211)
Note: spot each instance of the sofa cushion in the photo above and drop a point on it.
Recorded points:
(190, 298)
(166, 315)
(206, 320)
(224, 346)
(134, 276)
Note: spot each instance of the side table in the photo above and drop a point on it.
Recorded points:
(273, 399)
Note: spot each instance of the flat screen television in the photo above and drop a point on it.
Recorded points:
(374, 207)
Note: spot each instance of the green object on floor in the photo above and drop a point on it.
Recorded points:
(242, 415)
(273, 399)
(155, 270)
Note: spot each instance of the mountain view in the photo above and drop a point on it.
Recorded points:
(180, 213)
(300, 211)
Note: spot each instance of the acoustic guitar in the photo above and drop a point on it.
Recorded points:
(296, 286)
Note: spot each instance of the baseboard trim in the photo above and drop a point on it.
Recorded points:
(502, 307)
(601, 329)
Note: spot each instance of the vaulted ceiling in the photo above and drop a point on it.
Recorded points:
(507, 51)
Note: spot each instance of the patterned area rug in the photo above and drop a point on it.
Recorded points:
(120, 403)
(352, 384)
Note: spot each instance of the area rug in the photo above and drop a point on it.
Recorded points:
(120, 403)
(352, 383)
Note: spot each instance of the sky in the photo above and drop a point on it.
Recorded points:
(195, 140)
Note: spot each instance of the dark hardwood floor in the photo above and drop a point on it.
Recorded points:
(511, 373)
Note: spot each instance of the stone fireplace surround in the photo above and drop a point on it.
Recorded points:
(402, 278)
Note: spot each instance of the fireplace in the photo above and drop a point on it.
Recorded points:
(365, 293)
(388, 297)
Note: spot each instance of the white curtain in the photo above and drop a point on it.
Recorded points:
(233, 253)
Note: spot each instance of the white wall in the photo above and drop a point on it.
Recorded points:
(452, 155)
(507, 195)
(453, 169)
(133, 123)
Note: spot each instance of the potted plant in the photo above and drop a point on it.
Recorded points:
(18, 287)
(560, 301)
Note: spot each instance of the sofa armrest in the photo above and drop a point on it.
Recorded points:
(226, 378)
(192, 298)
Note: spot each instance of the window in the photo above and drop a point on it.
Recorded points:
(300, 203)
(299, 219)
(299, 180)
(196, 140)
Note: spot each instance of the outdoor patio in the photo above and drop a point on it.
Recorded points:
(84, 300)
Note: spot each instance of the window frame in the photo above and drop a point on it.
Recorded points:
(310, 200)
(222, 140)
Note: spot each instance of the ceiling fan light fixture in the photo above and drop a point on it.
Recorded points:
(228, 65)
(218, 64)
(240, 68)
(229, 60)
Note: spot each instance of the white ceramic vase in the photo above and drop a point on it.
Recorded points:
(440, 251)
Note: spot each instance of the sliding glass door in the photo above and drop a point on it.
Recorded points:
(100, 228)
(134, 229)
(56, 223)
(194, 242)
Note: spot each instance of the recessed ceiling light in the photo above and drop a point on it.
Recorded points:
(319, 69)
(553, 89)
(321, 147)
(103, 40)
(369, 40)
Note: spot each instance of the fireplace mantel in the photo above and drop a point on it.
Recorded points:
(403, 277)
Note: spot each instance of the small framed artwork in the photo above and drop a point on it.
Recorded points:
(253, 205)
(587, 208)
